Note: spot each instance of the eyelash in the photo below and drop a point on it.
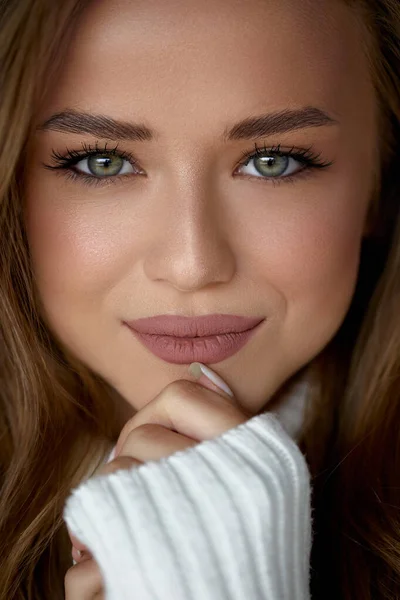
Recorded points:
(306, 156)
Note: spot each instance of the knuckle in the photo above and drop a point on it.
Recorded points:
(177, 396)
(183, 388)
(144, 431)
(145, 434)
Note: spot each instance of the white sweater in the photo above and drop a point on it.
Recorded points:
(228, 519)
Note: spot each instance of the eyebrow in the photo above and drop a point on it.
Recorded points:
(72, 121)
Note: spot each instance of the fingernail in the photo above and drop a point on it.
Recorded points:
(76, 555)
(112, 455)
(198, 369)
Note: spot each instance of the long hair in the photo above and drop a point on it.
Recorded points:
(46, 396)
(352, 435)
(350, 439)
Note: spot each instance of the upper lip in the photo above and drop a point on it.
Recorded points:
(207, 325)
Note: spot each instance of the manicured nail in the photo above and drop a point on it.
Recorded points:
(112, 455)
(76, 555)
(198, 369)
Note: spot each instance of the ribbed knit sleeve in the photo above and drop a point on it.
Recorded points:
(228, 519)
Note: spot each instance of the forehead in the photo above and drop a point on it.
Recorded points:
(196, 58)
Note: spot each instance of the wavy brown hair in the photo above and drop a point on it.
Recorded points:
(351, 437)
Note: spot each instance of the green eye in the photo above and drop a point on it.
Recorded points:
(103, 165)
(271, 166)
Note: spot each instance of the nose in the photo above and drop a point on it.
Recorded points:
(192, 246)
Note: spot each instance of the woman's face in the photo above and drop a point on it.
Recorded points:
(185, 226)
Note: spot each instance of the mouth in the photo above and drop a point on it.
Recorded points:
(204, 348)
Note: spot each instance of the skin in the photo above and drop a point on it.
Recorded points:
(183, 414)
(242, 244)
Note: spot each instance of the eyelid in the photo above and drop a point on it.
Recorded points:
(64, 163)
(306, 156)
(72, 157)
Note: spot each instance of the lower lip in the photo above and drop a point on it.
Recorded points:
(182, 351)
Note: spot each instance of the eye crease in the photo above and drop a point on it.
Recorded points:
(270, 165)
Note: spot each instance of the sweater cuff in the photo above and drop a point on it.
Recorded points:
(228, 518)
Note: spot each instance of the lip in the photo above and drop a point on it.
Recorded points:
(206, 339)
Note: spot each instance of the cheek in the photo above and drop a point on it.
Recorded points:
(78, 252)
(310, 262)
(69, 253)
(320, 271)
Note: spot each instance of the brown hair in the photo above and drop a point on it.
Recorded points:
(351, 437)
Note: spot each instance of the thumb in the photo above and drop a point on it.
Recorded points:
(210, 379)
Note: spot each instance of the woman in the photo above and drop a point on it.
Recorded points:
(256, 172)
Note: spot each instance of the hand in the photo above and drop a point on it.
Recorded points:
(183, 414)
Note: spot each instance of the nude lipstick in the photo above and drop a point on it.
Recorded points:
(206, 339)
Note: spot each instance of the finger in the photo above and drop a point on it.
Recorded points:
(79, 555)
(79, 551)
(75, 542)
(123, 462)
(152, 442)
(210, 379)
(120, 462)
(190, 409)
(83, 581)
